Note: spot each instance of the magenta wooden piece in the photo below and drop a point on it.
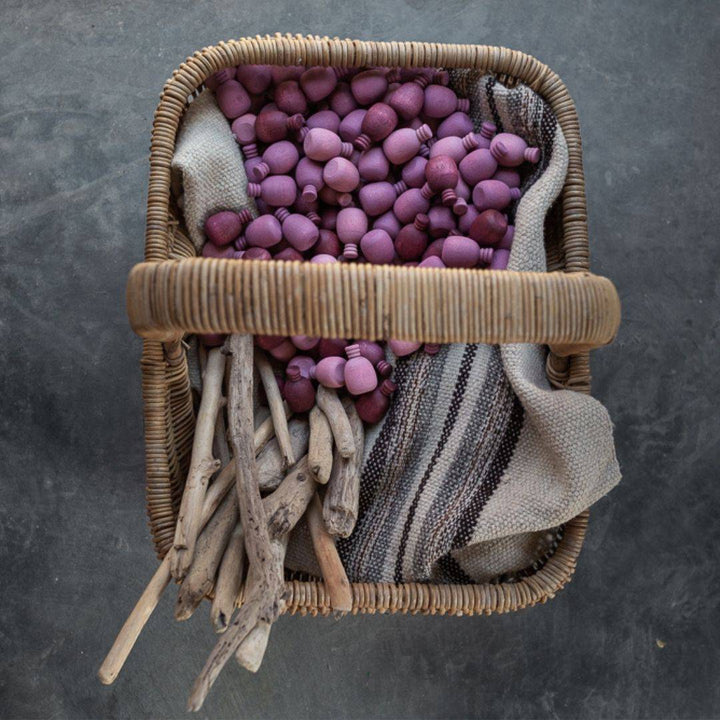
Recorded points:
(373, 166)
(328, 244)
(323, 259)
(432, 262)
(379, 121)
(330, 347)
(256, 253)
(323, 145)
(403, 144)
(304, 342)
(309, 178)
(342, 101)
(240, 243)
(486, 134)
(284, 351)
(264, 232)
(326, 119)
(510, 177)
(268, 342)
(369, 86)
(278, 159)
(304, 363)
(273, 125)
(209, 250)
(408, 99)
(297, 229)
(281, 73)
(290, 98)
(507, 239)
(360, 375)
(220, 77)
(409, 204)
(511, 150)
(211, 340)
(412, 239)
(351, 124)
(318, 82)
(276, 190)
(477, 166)
(372, 351)
(223, 227)
(462, 252)
(442, 221)
(288, 255)
(299, 391)
(377, 198)
(402, 348)
(413, 172)
(442, 175)
(307, 208)
(243, 129)
(489, 227)
(352, 224)
(256, 79)
(389, 223)
(493, 194)
(341, 175)
(330, 371)
(435, 247)
(377, 247)
(441, 101)
(232, 99)
(455, 147)
(431, 348)
(458, 124)
(500, 259)
(373, 406)
(465, 221)
(329, 218)
(392, 87)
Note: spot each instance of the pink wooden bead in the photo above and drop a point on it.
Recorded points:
(351, 124)
(457, 148)
(284, 351)
(442, 175)
(268, 342)
(276, 190)
(408, 99)
(360, 375)
(500, 259)
(510, 177)
(209, 250)
(326, 119)
(373, 406)
(211, 340)
(352, 224)
(318, 82)
(402, 348)
(304, 364)
(278, 159)
(510, 150)
(281, 73)
(290, 98)
(243, 129)
(256, 253)
(341, 175)
(507, 239)
(273, 125)
(232, 99)
(409, 204)
(493, 194)
(265, 232)
(389, 223)
(342, 100)
(402, 145)
(377, 198)
(371, 350)
(434, 248)
(309, 178)
(413, 172)
(462, 252)
(489, 228)
(297, 229)
(220, 77)
(477, 166)
(369, 86)
(323, 145)
(458, 124)
(432, 262)
(328, 244)
(465, 221)
(412, 240)
(377, 247)
(299, 392)
(223, 227)
(323, 259)
(304, 342)
(442, 221)
(373, 166)
(331, 347)
(288, 255)
(330, 371)
(486, 134)
(377, 124)
(255, 78)
(441, 101)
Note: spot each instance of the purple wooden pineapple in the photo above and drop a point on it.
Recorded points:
(332, 347)
(510, 177)
(360, 375)
(256, 253)
(511, 150)
(379, 121)
(351, 125)
(281, 73)
(243, 129)
(210, 250)
(304, 342)
(500, 259)
(486, 134)
(352, 224)
(372, 406)
(432, 262)
(220, 77)
(402, 145)
(328, 244)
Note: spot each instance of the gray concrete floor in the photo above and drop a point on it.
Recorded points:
(635, 635)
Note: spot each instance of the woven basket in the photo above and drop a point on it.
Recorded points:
(173, 293)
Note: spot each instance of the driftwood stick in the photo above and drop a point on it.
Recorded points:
(329, 402)
(333, 572)
(288, 503)
(221, 449)
(270, 460)
(320, 446)
(202, 466)
(229, 580)
(272, 392)
(343, 494)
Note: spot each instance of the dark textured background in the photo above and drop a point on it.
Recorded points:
(78, 85)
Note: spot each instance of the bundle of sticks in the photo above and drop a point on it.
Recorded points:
(238, 510)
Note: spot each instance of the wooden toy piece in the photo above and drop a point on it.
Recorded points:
(304, 363)
(210, 250)
(223, 227)
(278, 159)
(323, 145)
(384, 369)
(435, 76)
(500, 259)
(243, 130)
(211, 340)
(412, 240)
(288, 255)
(372, 351)
(377, 247)
(328, 243)
(373, 166)
(264, 232)
(463, 193)
(326, 119)
(290, 98)
(409, 204)
(413, 172)
(309, 178)
(232, 99)
(457, 124)
(308, 208)
(486, 134)
(284, 352)
(403, 348)
(255, 79)
(507, 239)
(304, 342)
(442, 175)
(297, 229)
(220, 77)
(389, 223)
(352, 224)
(281, 73)
(435, 247)
(330, 371)
(455, 147)
(329, 218)
(298, 391)
(493, 194)
(462, 252)
(372, 406)
(489, 227)
(273, 125)
(441, 220)
(276, 190)
(323, 259)
(403, 144)
(360, 375)
(377, 198)
(465, 221)
(441, 101)
(477, 166)
(510, 177)
(369, 86)
(351, 124)
(432, 262)
(379, 121)
(318, 82)
(341, 175)
(342, 101)
(511, 150)
(407, 100)
(240, 243)
(268, 342)
(332, 347)
(431, 348)
(256, 253)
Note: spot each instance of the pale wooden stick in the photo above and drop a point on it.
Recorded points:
(202, 466)
(288, 503)
(272, 392)
(320, 446)
(333, 572)
(229, 580)
(329, 402)
(270, 460)
(343, 494)
(265, 430)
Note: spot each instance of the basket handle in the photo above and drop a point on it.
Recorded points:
(571, 312)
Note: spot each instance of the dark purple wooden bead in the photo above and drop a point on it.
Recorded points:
(232, 99)
(403, 144)
(326, 119)
(290, 98)
(332, 347)
(276, 190)
(409, 204)
(372, 406)
(303, 363)
(341, 175)
(377, 198)
(299, 391)
(256, 253)
(369, 86)
(268, 342)
(309, 178)
(265, 232)
(477, 166)
(412, 240)
(211, 340)
(223, 227)
(413, 172)
(493, 194)
(434, 248)
(281, 73)
(209, 250)
(305, 342)
(408, 99)
(389, 223)
(433, 261)
(458, 124)
(288, 255)
(284, 352)
(243, 129)
(352, 224)
(342, 101)
(373, 165)
(297, 229)
(455, 147)
(329, 218)
(318, 82)
(442, 175)
(323, 145)
(500, 259)
(379, 121)
(372, 351)
(278, 159)
(442, 221)
(328, 243)
(441, 101)
(510, 177)
(377, 247)
(220, 77)
(255, 78)
(511, 150)
(489, 227)
(273, 125)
